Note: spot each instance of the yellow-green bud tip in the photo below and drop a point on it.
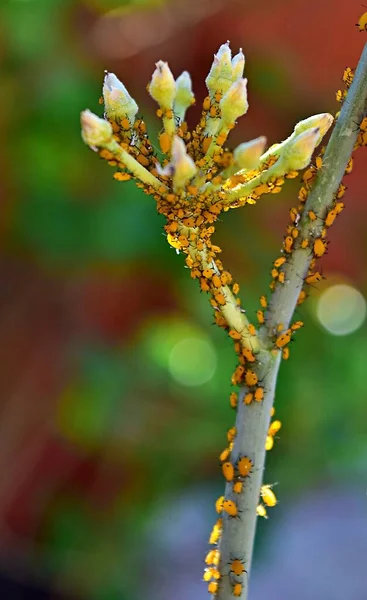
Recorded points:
(299, 152)
(118, 102)
(162, 87)
(184, 95)
(238, 65)
(96, 132)
(221, 72)
(247, 155)
(183, 165)
(234, 103)
(323, 121)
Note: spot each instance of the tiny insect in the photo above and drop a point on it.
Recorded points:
(268, 496)
(224, 454)
(213, 557)
(237, 567)
(251, 378)
(244, 466)
(269, 442)
(261, 511)
(362, 22)
(228, 471)
(237, 589)
(213, 587)
(283, 339)
(230, 508)
(274, 427)
(237, 487)
(219, 504)
(263, 302)
(319, 247)
(233, 400)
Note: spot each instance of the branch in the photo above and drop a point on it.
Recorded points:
(252, 421)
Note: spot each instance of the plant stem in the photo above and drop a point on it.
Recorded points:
(252, 421)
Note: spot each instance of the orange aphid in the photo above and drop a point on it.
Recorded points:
(259, 394)
(235, 288)
(244, 466)
(251, 378)
(285, 353)
(263, 302)
(224, 454)
(237, 487)
(231, 434)
(213, 587)
(228, 471)
(283, 339)
(233, 400)
(319, 247)
(279, 261)
(230, 508)
(248, 398)
(274, 428)
(260, 316)
(237, 567)
(248, 354)
(235, 335)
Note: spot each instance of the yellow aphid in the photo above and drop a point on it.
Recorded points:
(231, 434)
(269, 443)
(263, 302)
(261, 511)
(165, 142)
(206, 103)
(205, 287)
(237, 567)
(341, 191)
(362, 22)
(248, 355)
(237, 375)
(259, 394)
(281, 277)
(230, 508)
(251, 328)
(268, 496)
(302, 194)
(213, 587)
(212, 557)
(211, 573)
(233, 400)
(304, 243)
(216, 532)
(226, 278)
(288, 243)
(224, 454)
(220, 298)
(348, 76)
(219, 504)
(338, 207)
(251, 378)
(285, 353)
(237, 487)
(274, 428)
(237, 589)
(173, 241)
(248, 398)
(349, 167)
(297, 325)
(302, 297)
(274, 273)
(283, 339)
(318, 162)
(216, 281)
(272, 411)
(311, 215)
(235, 335)
(235, 288)
(244, 466)
(260, 316)
(279, 261)
(228, 471)
(319, 247)
(122, 176)
(294, 215)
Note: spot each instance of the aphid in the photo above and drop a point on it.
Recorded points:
(318, 162)
(349, 167)
(259, 394)
(274, 273)
(302, 297)
(251, 328)
(319, 247)
(228, 471)
(304, 243)
(230, 508)
(274, 428)
(216, 532)
(235, 335)
(237, 487)
(248, 354)
(231, 434)
(244, 466)
(297, 325)
(220, 298)
(283, 339)
(213, 587)
(341, 191)
(269, 443)
(235, 288)
(261, 511)
(219, 504)
(165, 142)
(288, 243)
(281, 277)
(294, 215)
(233, 400)
(204, 285)
(263, 302)
(311, 215)
(206, 103)
(173, 241)
(260, 316)
(248, 398)
(285, 353)
(237, 567)
(251, 378)
(348, 76)
(237, 375)
(338, 207)
(237, 589)
(224, 454)
(279, 261)
(268, 496)
(362, 22)
(216, 281)
(211, 573)
(212, 557)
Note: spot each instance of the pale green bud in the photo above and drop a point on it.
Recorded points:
(323, 121)
(184, 95)
(96, 132)
(297, 155)
(117, 100)
(247, 155)
(220, 76)
(183, 165)
(234, 103)
(162, 87)
(238, 65)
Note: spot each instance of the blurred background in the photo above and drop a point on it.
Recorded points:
(114, 384)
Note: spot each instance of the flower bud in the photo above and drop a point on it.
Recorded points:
(238, 65)
(234, 103)
(323, 121)
(221, 72)
(95, 131)
(162, 87)
(246, 155)
(184, 166)
(298, 153)
(118, 102)
(184, 95)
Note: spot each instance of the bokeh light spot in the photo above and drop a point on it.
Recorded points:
(341, 309)
(192, 361)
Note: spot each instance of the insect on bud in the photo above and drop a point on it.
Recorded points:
(162, 87)
(95, 131)
(234, 103)
(118, 102)
(247, 155)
